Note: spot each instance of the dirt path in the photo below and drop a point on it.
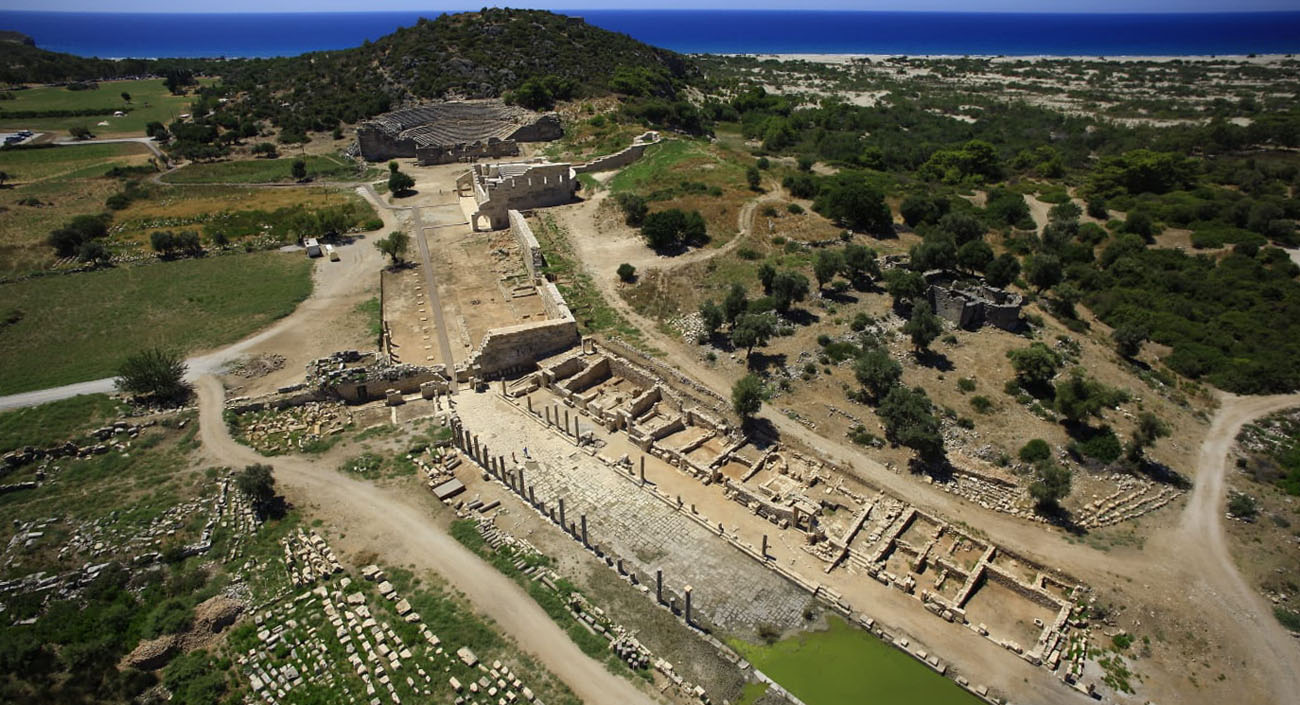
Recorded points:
(146, 141)
(603, 251)
(1204, 546)
(403, 534)
(431, 286)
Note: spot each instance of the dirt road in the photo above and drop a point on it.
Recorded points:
(1204, 546)
(403, 533)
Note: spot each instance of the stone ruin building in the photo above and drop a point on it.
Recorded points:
(501, 188)
(537, 183)
(442, 133)
(971, 304)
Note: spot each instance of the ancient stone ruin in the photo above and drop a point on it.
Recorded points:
(501, 188)
(972, 303)
(520, 186)
(442, 133)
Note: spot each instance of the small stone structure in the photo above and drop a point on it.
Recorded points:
(442, 133)
(971, 304)
(359, 377)
(501, 188)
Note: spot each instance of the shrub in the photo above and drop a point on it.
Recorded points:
(1242, 506)
(626, 273)
(795, 209)
(1101, 445)
(1036, 450)
(982, 404)
(966, 384)
(155, 373)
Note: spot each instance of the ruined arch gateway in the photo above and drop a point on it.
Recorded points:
(454, 131)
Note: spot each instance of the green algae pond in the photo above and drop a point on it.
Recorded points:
(844, 664)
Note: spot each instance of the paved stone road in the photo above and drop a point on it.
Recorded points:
(730, 588)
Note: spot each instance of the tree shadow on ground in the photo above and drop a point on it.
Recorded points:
(1061, 518)
(760, 432)
(761, 361)
(1163, 474)
(934, 360)
(801, 316)
(840, 297)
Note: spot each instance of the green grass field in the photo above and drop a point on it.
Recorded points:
(47, 424)
(150, 101)
(654, 166)
(848, 665)
(266, 171)
(79, 327)
(27, 165)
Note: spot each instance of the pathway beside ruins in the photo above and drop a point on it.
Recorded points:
(401, 532)
(422, 233)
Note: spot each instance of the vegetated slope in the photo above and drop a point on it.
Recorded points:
(471, 55)
(23, 62)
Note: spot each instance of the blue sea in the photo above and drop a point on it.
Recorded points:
(703, 31)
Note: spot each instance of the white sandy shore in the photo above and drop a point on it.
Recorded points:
(846, 58)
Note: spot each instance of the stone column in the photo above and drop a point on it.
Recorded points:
(763, 552)
(687, 612)
(584, 531)
(566, 420)
(548, 416)
(562, 524)
(530, 403)
(532, 498)
(659, 586)
(643, 470)
(521, 481)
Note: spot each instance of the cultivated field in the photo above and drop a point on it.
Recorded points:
(150, 102)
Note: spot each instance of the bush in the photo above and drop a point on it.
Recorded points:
(982, 404)
(966, 384)
(626, 273)
(155, 373)
(1242, 506)
(1101, 445)
(1036, 450)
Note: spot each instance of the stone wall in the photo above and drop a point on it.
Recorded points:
(494, 148)
(377, 145)
(620, 158)
(519, 347)
(972, 305)
(501, 188)
(529, 248)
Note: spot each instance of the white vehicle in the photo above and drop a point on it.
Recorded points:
(312, 247)
(332, 253)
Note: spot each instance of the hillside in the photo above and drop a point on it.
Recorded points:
(470, 55)
(21, 61)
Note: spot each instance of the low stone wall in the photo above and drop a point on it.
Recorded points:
(529, 248)
(617, 160)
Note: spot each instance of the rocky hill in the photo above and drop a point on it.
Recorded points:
(468, 55)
